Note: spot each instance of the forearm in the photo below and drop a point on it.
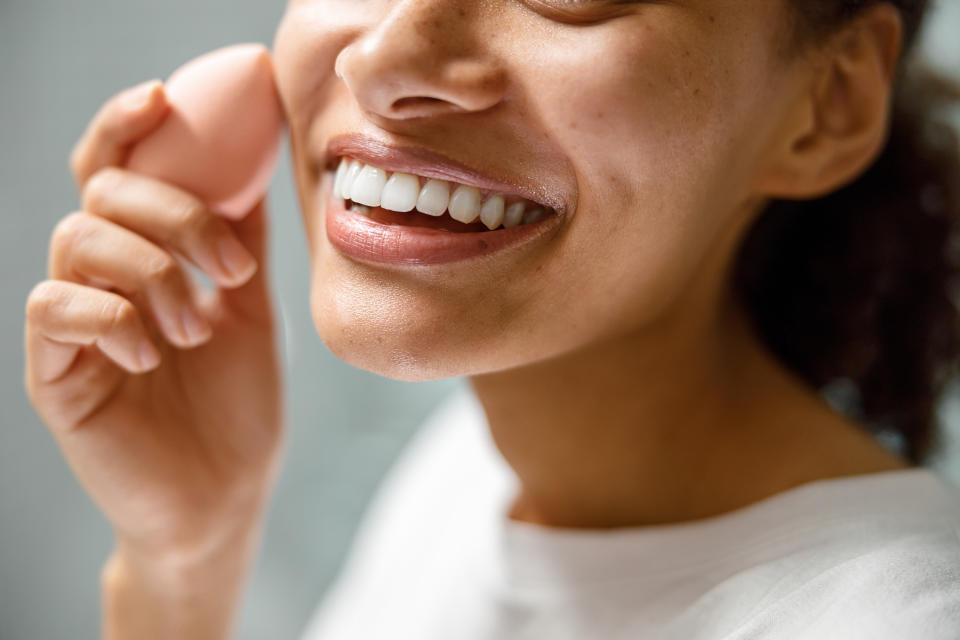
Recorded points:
(174, 596)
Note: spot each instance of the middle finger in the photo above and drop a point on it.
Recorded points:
(173, 218)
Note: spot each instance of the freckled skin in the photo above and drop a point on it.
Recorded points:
(652, 157)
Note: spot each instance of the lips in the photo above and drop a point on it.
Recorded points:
(426, 235)
(429, 164)
(415, 219)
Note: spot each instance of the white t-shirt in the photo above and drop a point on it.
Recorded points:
(871, 557)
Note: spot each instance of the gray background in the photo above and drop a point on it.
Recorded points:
(58, 62)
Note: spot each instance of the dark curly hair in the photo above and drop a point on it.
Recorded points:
(856, 289)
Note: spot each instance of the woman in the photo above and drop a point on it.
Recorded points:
(701, 214)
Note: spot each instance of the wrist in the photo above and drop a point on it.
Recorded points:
(193, 541)
(189, 565)
(190, 592)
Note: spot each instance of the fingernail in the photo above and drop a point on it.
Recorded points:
(236, 260)
(139, 96)
(149, 355)
(195, 328)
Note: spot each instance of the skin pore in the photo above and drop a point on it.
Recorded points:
(620, 378)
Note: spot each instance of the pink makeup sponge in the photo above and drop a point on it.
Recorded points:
(221, 139)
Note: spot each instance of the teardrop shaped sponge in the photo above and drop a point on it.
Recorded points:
(221, 139)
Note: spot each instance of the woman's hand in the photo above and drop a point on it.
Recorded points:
(164, 397)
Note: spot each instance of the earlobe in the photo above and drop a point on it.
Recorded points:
(838, 127)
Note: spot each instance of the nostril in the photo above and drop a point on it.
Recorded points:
(421, 104)
(416, 100)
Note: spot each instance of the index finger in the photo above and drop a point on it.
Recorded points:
(120, 122)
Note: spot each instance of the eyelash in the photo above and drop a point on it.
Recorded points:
(577, 11)
(590, 2)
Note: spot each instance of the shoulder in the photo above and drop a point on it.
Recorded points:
(907, 587)
(896, 587)
(920, 566)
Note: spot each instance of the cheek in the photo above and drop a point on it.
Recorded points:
(649, 126)
(651, 143)
(305, 50)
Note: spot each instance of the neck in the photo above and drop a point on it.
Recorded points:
(686, 421)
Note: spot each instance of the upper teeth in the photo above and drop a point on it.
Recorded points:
(373, 187)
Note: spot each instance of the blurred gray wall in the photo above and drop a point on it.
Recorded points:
(58, 62)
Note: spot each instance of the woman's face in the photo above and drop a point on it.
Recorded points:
(645, 124)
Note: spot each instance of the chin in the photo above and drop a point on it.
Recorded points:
(391, 337)
(411, 335)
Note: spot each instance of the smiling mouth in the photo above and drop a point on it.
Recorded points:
(408, 199)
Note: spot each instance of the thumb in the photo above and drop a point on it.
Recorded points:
(252, 299)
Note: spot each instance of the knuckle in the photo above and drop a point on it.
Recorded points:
(44, 299)
(109, 120)
(189, 216)
(96, 192)
(121, 316)
(70, 224)
(72, 230)
(161, 271)
(67, 231)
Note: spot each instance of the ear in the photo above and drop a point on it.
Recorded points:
(839, 125)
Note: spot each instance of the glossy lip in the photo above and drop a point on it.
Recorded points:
(429, 164)
(368, 240)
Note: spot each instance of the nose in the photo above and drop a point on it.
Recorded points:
(422, 59)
